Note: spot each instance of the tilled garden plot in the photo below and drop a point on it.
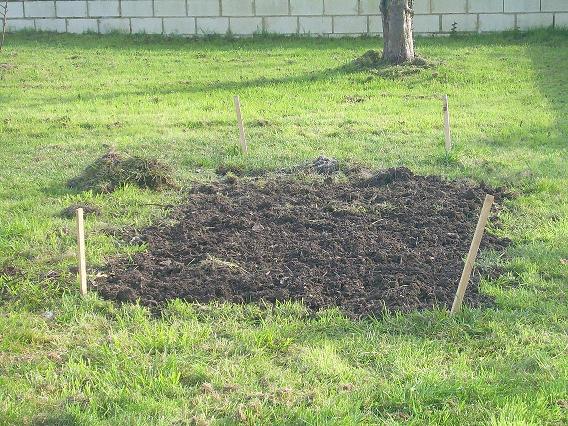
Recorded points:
(391, 240)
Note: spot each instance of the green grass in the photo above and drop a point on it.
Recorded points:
(64, 99)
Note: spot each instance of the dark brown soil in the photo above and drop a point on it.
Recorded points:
(10, 271)
(70, 212)
(391, 241)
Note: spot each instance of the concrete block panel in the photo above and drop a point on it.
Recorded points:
(496, 22)
(20, 25)
(427, 23)
(169, 8)
(80, 26)
(303, 7)
(449, 6)
(422, 7)
(103, 8)
(465, 22)
(39, 9)
(137, 8)
(376, 25)
(71, 9)
(485, 6)
(522, 5)
(16, 10)
(237, 7)
(561, 20)
(109, 25)
(181, 26)
(203, 8)
(271, 7)
(146, 25)
(218, 25)
(318, 25)
(554, 5)
(369, 7)
(526, 21)
(281, 24)
(51, 24)
(350, 24)
(246, 26)
(341, 7)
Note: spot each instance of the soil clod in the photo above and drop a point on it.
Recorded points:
(393, 241)
(325, 166)
(385, 177)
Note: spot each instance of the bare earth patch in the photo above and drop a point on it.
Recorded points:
(393, 241)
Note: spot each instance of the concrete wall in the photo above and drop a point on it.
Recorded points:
(247, 17)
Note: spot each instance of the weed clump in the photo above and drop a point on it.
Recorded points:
(114, 170)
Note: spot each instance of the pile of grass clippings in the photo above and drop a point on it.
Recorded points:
(114, 170)
(369, 60)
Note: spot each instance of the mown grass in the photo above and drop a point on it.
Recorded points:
(65, 99)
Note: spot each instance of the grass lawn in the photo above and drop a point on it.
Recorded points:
(64, 99)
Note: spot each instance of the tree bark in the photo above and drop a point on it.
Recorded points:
(397, 31)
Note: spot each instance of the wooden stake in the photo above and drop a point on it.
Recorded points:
(240, 123)
(81, 252)
(447, 125)
(472, 255)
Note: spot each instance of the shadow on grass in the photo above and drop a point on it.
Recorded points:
(542, 178)
(551, 78)
(552, 81)
(264, 46)
(229, 86)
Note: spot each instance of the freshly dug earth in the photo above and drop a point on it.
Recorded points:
(391, 240)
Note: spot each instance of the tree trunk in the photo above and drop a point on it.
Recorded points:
(397, 31)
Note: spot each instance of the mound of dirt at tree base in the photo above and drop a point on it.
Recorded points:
(394, 241)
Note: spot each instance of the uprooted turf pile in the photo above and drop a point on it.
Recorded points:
(390, 240)
(114, 170)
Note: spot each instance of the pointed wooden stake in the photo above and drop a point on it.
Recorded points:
(240, 123)
(447, 125)
(81, 252)
(472, 255)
